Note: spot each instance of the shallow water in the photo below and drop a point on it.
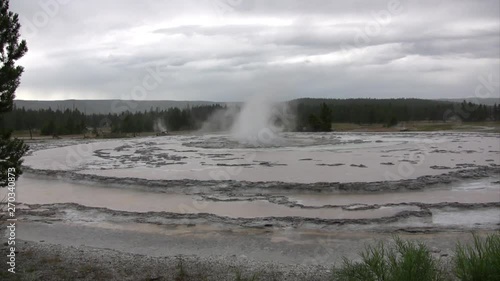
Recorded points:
(304, 158)
(467, 218)
(34, 190)
(295, 157)
(474, 191)
(38, 190)
(287, 241)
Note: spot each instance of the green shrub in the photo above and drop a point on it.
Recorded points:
(405, 260)
(181, 274)
(479, 261)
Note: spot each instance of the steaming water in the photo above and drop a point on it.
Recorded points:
(159, 126)
(255, 124)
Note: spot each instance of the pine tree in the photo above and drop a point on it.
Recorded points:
(314, 123)
(11, 150)
(326, 118)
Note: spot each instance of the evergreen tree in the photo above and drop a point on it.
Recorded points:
(326, 118)
(314, 123)
(49, 129)
(314, 115)
(11, 150)
(393, 122)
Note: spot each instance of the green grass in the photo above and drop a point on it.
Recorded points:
(403, 260)
(399, 260)
(181, 271)
(479, 261)
(240, 277)
(420, 126)
(435, 127)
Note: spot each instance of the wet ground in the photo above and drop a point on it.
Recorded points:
(339, 205)
(294, 158)
(307, 199)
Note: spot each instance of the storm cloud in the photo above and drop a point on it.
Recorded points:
(228, 50)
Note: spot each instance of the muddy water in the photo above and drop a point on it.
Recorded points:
(468, 218)
(475, 191)
(32, 190)
(38, 190)
(304, 158)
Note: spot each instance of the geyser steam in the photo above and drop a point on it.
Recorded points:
(260, 122)
(159, 126)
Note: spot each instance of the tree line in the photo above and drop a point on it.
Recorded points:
(70, 122)
(310, 115)
(317, 114)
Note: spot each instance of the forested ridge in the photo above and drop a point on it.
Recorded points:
(58, 122)
(389, 111)
(310, 115)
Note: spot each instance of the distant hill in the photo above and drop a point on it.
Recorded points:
(119, 106)
(486, 101)
(363, 101)
(107, 106)
(409, 101)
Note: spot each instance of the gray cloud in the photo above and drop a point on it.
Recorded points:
(226, 50)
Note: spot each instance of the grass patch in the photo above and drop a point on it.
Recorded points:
(420, 126)
(399, 260)
(436, 127)
(181, 271)
(51, 260)
(404, 260)
(479, 261)
(93, 272)
(240, 277)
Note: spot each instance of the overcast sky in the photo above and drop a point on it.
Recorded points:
(228, 50)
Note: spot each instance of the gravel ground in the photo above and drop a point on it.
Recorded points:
(39, 261)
